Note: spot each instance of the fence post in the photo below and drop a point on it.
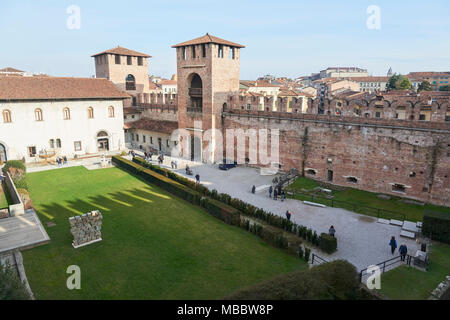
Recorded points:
(360, 276)
(384, 266)
(312, 262)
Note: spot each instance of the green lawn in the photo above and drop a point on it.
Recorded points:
(3, 200)
(412, 212)
(407, 283)
(155, 246)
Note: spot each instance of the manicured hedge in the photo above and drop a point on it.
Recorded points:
(223, 212)
(436, 225)
(14, 164)
(327, 243)
(335, 280)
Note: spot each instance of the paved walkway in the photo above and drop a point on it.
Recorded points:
(361, 240)
(22, 232)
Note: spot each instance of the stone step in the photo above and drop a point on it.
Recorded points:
(407, 234)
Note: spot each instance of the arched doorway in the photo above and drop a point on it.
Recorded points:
(195, 93)
(3, 157)
(102, 141)
(130, 82)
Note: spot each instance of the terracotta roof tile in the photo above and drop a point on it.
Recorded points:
(258, 83)
(208, 39)
(166, 127)
(53, 88)
(124, 52)
(9, 69)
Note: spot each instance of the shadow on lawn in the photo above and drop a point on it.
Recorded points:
(115, 201)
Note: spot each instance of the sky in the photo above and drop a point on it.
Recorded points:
(283, 38)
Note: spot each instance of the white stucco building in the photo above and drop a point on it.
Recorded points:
(46, 117)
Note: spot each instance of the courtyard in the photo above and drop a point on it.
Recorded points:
(155, 246)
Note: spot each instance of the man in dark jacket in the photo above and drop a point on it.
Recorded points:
(270, 191)
(403, 250)
(393, 244)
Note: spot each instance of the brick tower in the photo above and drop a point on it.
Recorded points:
(126, 68)
(208, 73)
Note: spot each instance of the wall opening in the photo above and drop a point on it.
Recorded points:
(396, 187)
(352, 180)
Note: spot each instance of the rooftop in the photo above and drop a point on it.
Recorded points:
(123, 52)
(161, 126)
(54, 88)
(207, 38)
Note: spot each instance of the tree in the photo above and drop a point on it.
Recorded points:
(444, 88)
(398, 82)
(11, 288)
(425, 86)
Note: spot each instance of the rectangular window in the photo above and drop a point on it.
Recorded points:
(117, 59)
(151, 140)
(143, 138)
(220, 53)
(377, 114)
(132, 137)
(32, 152)
(77, 145)
(137, 137)
(193, 52)
(58, 143)
(129, 61)
(204, 50)
(140, 61)
(183, 52)
(167, 142)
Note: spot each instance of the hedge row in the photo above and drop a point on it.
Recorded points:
(216, 200)
(436, 225)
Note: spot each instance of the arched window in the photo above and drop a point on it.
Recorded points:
(111, 112)
(52, 143)
(6, 116)
(38, 115)
(130, 82)
(58, 143)
(91, 113)
(66, 113)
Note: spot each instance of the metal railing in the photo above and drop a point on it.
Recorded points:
(358, 208)
(195, 92)
(385, 264)
(316, 259)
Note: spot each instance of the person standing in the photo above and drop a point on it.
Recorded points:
(283, 195)
(288, 215)
(253, 189)
(197, 178)
(332, 231)
(393, 244)
(403, 250)
(65, 160)
(275, 194)
(270, 191)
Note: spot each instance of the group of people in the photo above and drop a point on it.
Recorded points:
(61, 161)
(403, 249)
(148, 156)
(277, 191)
(174, 164)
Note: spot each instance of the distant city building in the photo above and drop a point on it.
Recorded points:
(436, 79)
(390, 73)
(343, 72)
(11, 72)
(371, 84)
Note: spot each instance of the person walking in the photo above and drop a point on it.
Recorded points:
(283, 195)
(288, 215)
(393, 244)
(65, 160)
(253, 189)
(197, 178)
(403, 250)
(270, 191)
(332, 231)
(275, 194)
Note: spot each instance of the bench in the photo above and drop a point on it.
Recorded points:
(262, 188)
(396, 222)
(383, 221)
(407, 234)
(410, 226)
(314, 204)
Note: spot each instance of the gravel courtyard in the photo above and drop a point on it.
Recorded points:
(361, 239)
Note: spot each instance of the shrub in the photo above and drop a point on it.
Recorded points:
(329, 281)
(436, 225)
(223, 212)
(315, 239)
(309, 235)
(327, 243)
(300, 252)
(11, 288)
(307, 253)
(16, 164)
